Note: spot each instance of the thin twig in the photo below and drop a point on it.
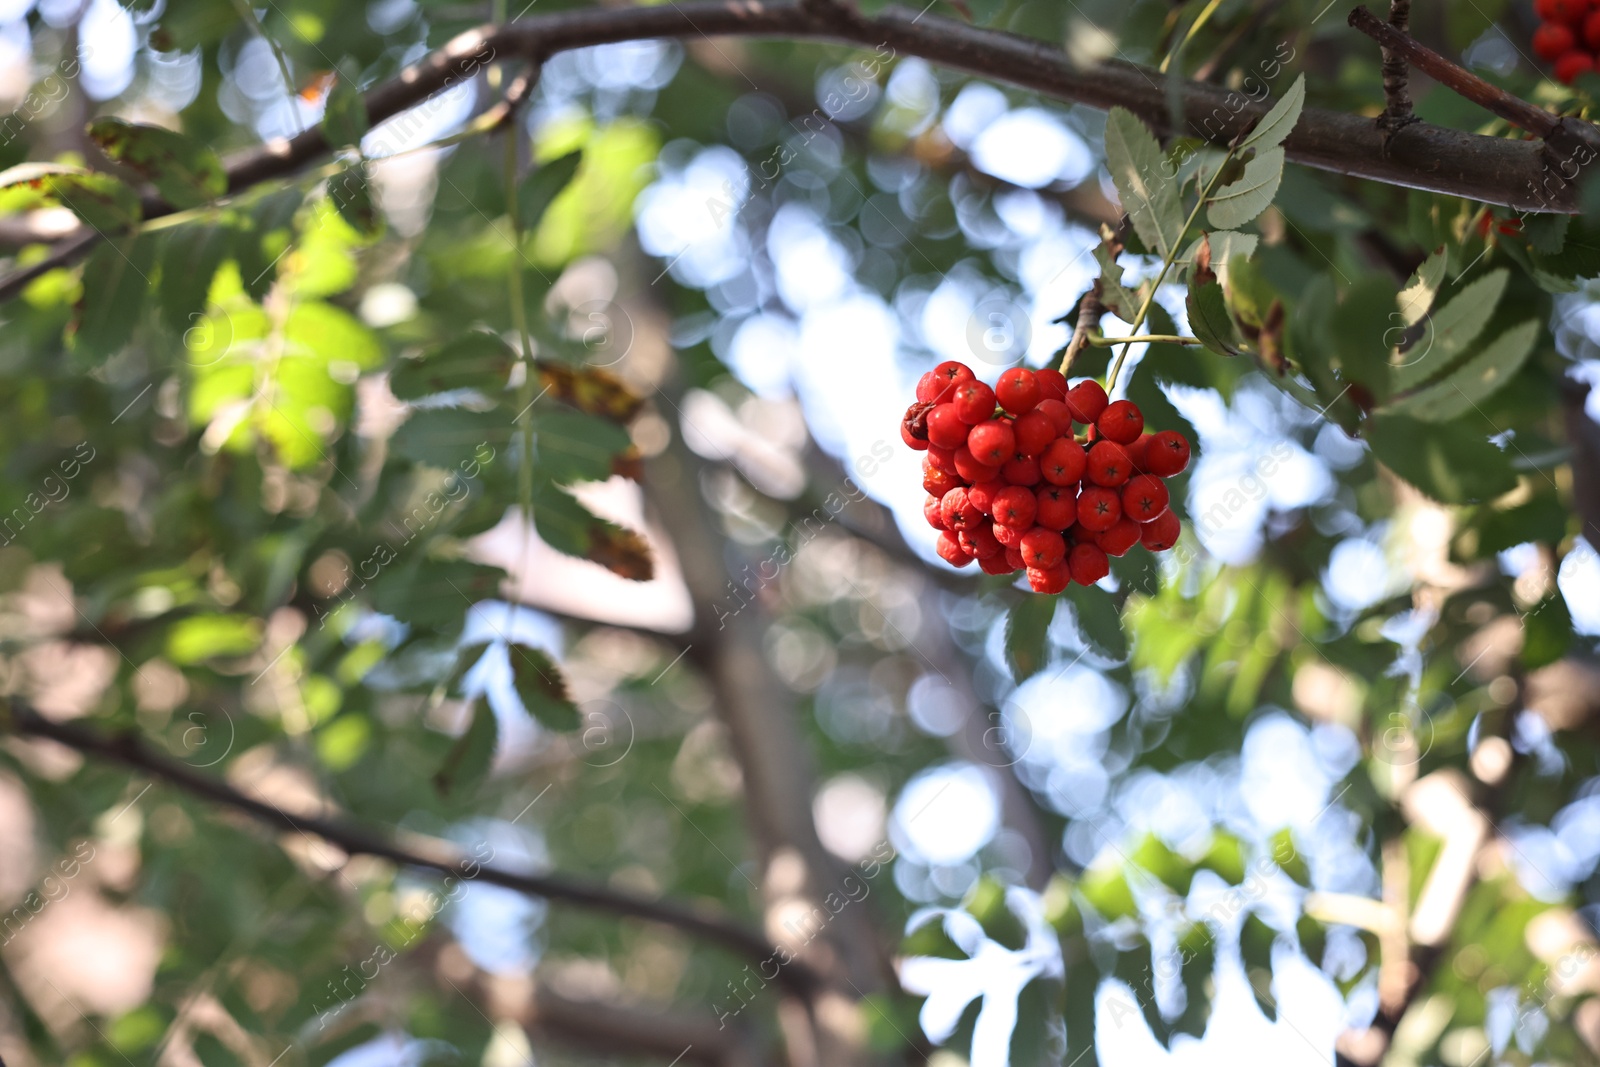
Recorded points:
(1396, 87)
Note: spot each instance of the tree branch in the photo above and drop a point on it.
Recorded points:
(1493, 170)
(131, 751)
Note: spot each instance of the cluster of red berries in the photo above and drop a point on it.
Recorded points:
(1017, 488)
(1568, 36)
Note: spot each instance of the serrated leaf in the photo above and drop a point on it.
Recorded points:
(344, 119)
(351, 193)
(1236, 204)
(589, 389)
(116, 283)
(1138, 169)
(540, 188)
(1546, 632)
(105, 202)
(1277, 124)
(1475, 380)
(574, 447)
(1027, 635)
(1098, 621)
(444, 437)
(1451, 331)
(475, 360)
(434, 593)
(1416, 299)
(1448, 462)
(261, 240)
(541, 689)
(1255, 951)
(467, 763)
(567, 526)
(190, 256)
(1362, 334)
(1209, 319)
(1226, 245)
(184, 171)
(1546, 233)
(1114, 297)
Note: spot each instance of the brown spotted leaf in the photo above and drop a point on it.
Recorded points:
(595, 392)
(103, 201)
(184, 171)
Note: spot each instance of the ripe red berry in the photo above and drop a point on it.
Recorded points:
(974, 402)
(1553, 39)
(1545, 9)
(1087, 400)
(950, 550)
(1017, 390)
(1109, 464)
(1015, 507)
(1591, 34)
(1089, 564)
(941, 459)
(1052, 383)
(957, 510)
(1098, 508)
(970, 469)
(997, 563)
(1573, 64)
(1167, 454)
(936, 481)
(1571, 12)
(1136, 452)
(1010, 536)
(1034, 432)
(981, 494)
(936, 385)
(945, 427)
(992, 442)
(1121, 421)
(933, 511)
(1123, 535)
(1049, 580)
(1060, 415)
(1057, 507)
(980, 542)
(1144, 497)
(1021, 470)
(1063, 463)
(1160, 533)
(918, 443)
(1014, 558)
(1042, 548)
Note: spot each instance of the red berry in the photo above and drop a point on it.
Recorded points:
(945, 427)
(936, 385)
(1167, 454)
(970, 469)
(992, 442)
(1121, 421)
(997, 563)
(1042, 548)
(980, 542)
(936, 481)
(1060, 415)
(1591, 34)
(1034, 432)
(1160, 533)
(957, 510)
(1049, 580)
(1015, 507)
(1014, 558)
(1553, 39)
(1021, 470)
(941, 459)
(1109, 464)
(1063, 463)
(1571, 12)
(1098, 508)
(1573, 64)
(1017, 390)
(1057, 507)
(1136, 452)
(1052, 383)
(1089, 564)
(950, 550)
(1144, 497)
(974, 402)
(1087, 400)
(918, 443)
(1010, 536)
(981, 494)
(933, 511)
(1123, 535)
(1545, 9)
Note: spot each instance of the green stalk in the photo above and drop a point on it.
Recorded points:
(519, 316)
(1194, 27)
(1101, 341)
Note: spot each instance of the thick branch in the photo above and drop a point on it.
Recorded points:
(131, 751)
(1422, 156)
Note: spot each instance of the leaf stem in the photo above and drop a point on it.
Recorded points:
(1101, 341)
(1166, 266)
(1194, 27)
(519, 316)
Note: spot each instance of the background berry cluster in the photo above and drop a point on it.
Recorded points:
(1016, 488)
(1568, 36)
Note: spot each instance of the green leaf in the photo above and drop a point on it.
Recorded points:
(1288, 858)
(344, 120)
(444, 437)
(574, 447)
(190, 257)
(106, 203)
(1226, 245)
(467, 763)
(1098, 621)
(351, 193)
(203, 637)
(541, 689)
(1139, 170)
(475, 360)
(116, 283)
(1278, 123)
(1463, 389)
(1448, 462)
(1209, 319)
(1239, 202)
(567, 526)
(1451, 331)
(1416, 299)
(1546, 632)
(434, 593)
(330, 334)
(540, 188)
(1255, 951)
(1361, 334)
(1121, 302)
(184, 171)
(263, 239)
(1027, 635)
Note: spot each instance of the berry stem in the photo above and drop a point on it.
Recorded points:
(1100, 341)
